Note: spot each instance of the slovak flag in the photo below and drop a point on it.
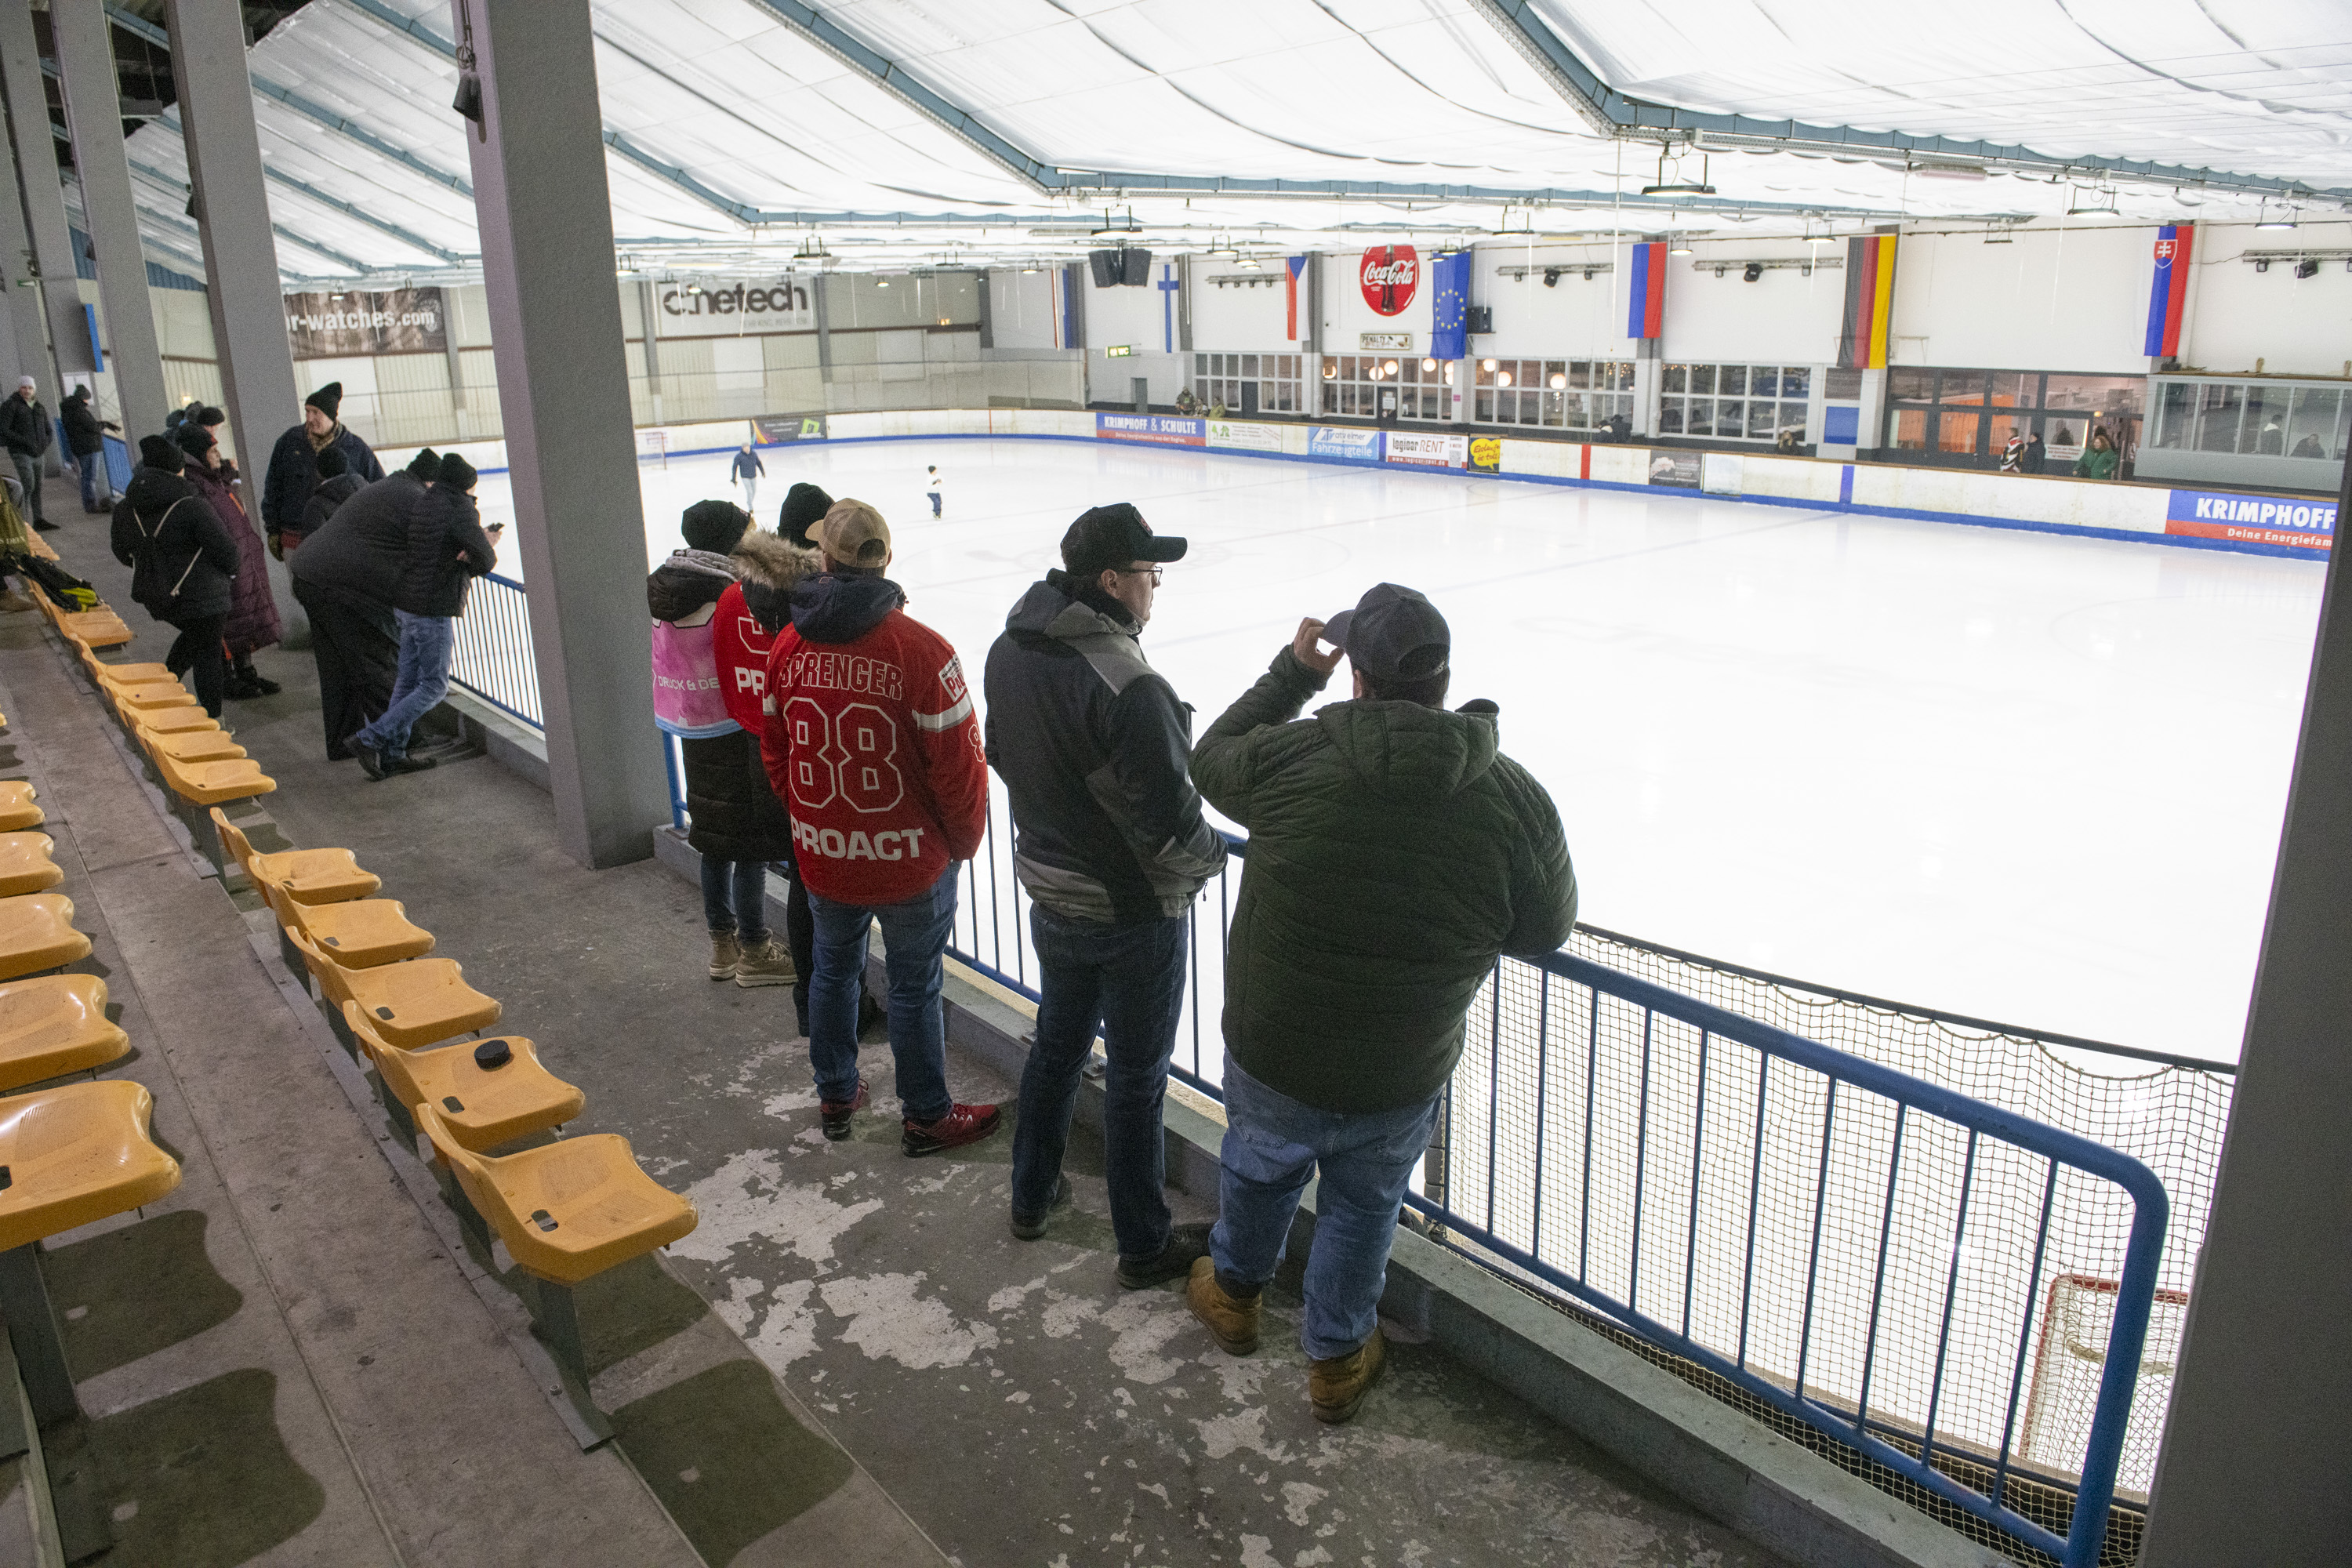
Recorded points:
(1296, 268)
(2168, 293)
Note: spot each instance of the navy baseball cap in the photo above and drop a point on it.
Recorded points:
(1116, 535)
(1393, 634)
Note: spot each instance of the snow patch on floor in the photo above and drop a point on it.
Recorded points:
(747, 1199)
(888, 1318)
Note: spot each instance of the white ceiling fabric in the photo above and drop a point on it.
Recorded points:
(764, 124)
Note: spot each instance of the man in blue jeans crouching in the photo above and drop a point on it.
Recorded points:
(1394, 854)
(1111, 846)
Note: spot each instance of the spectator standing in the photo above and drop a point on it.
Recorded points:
(346, 575)
(932, 490)
(736, 825)
(747, 470)
(2012, 454)
(2035, 456)
(1110, 843)
(2098, 459)
(1394, 854)
(293, 474)
(447, 549)
(874, 745)
(86, 439)
(25, 431)
(183, 561)
(252, 622)
(804, 507)
(337, 484)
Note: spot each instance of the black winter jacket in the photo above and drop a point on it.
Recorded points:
(330, 495)
(187, 536)
(24, 426)
(362, 549)
(735, 813)
(294, 474)
(1093, 746)
(85, 431)
(442, 526)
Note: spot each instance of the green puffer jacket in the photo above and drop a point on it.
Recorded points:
(1394, 852)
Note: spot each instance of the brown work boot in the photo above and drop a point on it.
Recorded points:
(767, 964)
(1233, 1322)
(1337, 1384)
(723, 954)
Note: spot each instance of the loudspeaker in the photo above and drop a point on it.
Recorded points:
(1107, 271)
(1138, 268)
(1480, 319)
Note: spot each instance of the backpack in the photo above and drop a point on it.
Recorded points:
(152, 581)
(63, 587)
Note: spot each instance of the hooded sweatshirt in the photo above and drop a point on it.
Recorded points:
(873, 742)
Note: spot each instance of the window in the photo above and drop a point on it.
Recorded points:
(1560, 394)
(1967, 416)
(1734, 402)
(2317, 427)
(1354, 385)
(1250, 383)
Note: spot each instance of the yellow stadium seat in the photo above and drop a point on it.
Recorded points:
(172, 721)
(77, 1153)
(361, 933)
(37, 932)
(17, 811)
(136, 697)
(24, 864)
(419, 1003)
(482, 1106)
(100, 628)
(54, 1025)
(215, 745)
(209, 783)
(308, 876)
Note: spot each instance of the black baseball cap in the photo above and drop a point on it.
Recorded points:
(1116, 535)
(1392, 633)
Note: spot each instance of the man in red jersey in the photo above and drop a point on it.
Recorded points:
(873, 742)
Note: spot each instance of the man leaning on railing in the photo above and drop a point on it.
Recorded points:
(1395, 855)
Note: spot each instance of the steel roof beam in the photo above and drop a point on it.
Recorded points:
(158, 177)
(356, 215)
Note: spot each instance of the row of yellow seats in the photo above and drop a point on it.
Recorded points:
(566, 1210)
(196, 759)
(100, 627)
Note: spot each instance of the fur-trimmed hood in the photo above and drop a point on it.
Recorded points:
(773, 567)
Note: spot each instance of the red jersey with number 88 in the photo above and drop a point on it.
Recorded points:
(875, 746)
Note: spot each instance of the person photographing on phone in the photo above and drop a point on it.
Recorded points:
(447, 549)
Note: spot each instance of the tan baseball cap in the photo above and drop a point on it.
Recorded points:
(854, 534)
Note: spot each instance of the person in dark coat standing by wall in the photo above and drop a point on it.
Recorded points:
(346, 575)
(736, 825)
(183, 563)
(337, 484)
(293, 462)
(25, 430)
(447, 549)
(86, 439)
(253, 613)
(2035, 455)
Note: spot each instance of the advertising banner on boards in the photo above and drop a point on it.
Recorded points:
(1428, 451)
(2252, 520)
(1158, 429)
(367, 321)
(734, 307)
(1486, 454)
(776, 430)
(1246, 437)
(1348, 446)
(1675, 468)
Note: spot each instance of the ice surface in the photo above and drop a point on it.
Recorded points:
(2020, 776)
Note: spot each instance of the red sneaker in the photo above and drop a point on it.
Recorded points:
(835, 1113)
(962, 1124)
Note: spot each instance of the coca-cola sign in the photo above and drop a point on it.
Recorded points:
(1389, 274)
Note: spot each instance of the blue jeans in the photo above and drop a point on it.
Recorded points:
(97, 484)
(916, 935)
(1272, 1144)
(750, 491)
(426, 643)
(735, 898)
(1128, 979)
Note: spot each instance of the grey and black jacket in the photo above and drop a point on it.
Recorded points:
(1094, 748)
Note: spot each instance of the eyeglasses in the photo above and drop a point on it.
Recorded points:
(1157, 573)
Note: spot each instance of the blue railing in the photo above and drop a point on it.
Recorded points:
(1958, 1292)
(493, 658)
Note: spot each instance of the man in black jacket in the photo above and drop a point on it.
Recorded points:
(182, 560)
(1094, 747)
(447, 548)
(294, 474)
(85, 439)
(346, 575)
(25, 431)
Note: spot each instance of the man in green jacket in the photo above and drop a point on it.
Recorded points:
(1394, 853)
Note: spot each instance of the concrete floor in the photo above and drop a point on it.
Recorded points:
(1009, 1398)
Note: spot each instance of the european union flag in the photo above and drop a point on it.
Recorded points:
(1448, 334)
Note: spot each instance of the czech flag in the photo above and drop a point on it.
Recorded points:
(1646, 313)
(1295, 267)
(2168, 291)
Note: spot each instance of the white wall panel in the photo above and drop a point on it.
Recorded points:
(2294, 326)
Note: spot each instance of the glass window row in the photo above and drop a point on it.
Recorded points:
(1250, 383)
(2253, 419)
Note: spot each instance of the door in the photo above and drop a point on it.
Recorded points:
(1249, 399)
(1142, 388)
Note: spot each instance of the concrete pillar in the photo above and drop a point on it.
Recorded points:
(66, 351)
(546, 219)
(240, 251)
(94, 114)
(820, 294)
(2256, 1447)
(24, 340)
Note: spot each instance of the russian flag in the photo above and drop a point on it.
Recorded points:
(1645, 314)
(1296, 267)
(2167, 290)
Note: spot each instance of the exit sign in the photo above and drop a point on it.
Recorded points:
(1118, 351)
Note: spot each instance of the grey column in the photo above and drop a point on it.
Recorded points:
(248, 309)
(819, 285)
(546, 219)
(25, 340)
(94, 115)
(2257, 1460)
(59, 297)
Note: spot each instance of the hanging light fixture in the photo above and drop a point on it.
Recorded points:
(1678, 245)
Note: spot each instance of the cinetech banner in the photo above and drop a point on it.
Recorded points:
(1869, 302)
(2167, 290)
(362, 322)
(728, 308)
(1645, 301)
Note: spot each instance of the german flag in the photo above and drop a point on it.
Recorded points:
(1869, 302)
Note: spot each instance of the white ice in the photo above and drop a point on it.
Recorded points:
(2017, 776)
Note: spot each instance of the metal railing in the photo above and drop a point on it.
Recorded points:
(493, 658)
(1957, 1293)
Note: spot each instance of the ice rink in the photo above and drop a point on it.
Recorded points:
(2020, 776)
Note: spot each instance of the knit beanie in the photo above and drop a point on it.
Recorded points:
(193, 438)
(457, 474)
(332, 461)
(160, 453)
(426, 466)
(717, 526)
(804, 507)
(327, 399)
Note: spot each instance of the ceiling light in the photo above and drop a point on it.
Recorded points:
(1330, 371)
(1486, 364)
(1389, 368)
(2306, 268)
(1251, 263)
(1502, 378)
(1677, 245)
(1558, 379)
(1950, 170)
(881, 282)
(2262, 264)
(2284, 220)
(1425, 364)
